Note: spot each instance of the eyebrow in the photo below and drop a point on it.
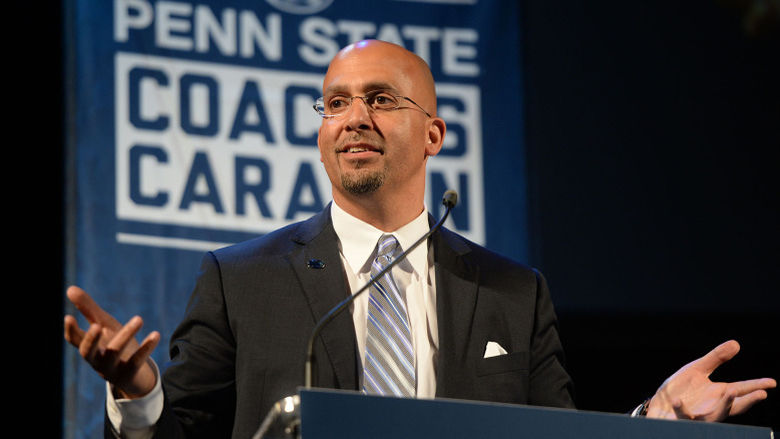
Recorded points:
(370, 86)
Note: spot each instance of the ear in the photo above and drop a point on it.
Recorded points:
(319, 147)
(435, 133)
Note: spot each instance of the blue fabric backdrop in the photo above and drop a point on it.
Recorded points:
(190, 127)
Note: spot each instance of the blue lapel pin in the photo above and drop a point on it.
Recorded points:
(315, 264)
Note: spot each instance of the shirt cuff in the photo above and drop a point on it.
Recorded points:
(135, 418)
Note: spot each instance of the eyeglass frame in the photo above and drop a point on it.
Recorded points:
(363, 98)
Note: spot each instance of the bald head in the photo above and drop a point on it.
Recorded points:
(413, 72)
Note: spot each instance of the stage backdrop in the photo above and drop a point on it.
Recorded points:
(190, 127)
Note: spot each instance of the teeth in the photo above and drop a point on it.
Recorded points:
(357, 149)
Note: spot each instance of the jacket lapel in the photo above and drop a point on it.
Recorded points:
(457, 283)
(317, 264)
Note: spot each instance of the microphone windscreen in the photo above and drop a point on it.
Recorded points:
(450, 198)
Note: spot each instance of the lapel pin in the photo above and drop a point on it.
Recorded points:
(315, 264)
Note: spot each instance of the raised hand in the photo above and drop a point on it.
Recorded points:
(690, 394)
(111, 348)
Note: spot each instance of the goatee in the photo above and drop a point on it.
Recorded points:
(362, 184)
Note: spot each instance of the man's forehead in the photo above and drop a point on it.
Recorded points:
(376, 65)
(359, 87)
(357, 75)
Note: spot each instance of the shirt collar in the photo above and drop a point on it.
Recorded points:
(358, 239)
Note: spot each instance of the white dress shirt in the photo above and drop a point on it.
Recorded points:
(415, 276)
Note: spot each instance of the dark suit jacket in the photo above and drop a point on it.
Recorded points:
(241, 345)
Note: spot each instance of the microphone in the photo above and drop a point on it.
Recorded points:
(449, 200)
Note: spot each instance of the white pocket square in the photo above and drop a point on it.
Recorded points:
(493, 349)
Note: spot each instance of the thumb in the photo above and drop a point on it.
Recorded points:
(721, 354)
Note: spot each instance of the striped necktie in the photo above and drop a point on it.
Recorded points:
(388, 368)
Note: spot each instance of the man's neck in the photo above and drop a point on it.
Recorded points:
(386, 214)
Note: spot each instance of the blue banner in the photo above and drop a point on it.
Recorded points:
(190, 127)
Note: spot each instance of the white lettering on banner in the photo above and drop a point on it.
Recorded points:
(179, 26)
(200, 28)
(232, 148)
(458, 46)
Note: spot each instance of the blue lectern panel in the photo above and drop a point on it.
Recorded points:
(345, 415)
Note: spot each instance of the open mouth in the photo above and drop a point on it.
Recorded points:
(358, 148)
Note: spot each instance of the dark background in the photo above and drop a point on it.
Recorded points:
(652, 128)
(652, 133)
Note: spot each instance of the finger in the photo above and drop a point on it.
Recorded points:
(89, 308)
(726, 403)
(126, 334)
(721, 354)
(145, 350)
(742, 388)
(719, 408)
(73, 334)
(89, 343)
(743, 403)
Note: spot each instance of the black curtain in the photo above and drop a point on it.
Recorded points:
(652, 129)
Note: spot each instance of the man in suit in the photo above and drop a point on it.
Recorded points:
(480, 326)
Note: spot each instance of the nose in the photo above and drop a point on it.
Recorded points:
(358, 115)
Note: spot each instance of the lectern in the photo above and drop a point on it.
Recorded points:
(317, 414)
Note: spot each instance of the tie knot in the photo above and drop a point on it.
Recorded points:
(387, 246)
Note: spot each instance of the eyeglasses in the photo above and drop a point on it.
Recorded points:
(336, 106)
